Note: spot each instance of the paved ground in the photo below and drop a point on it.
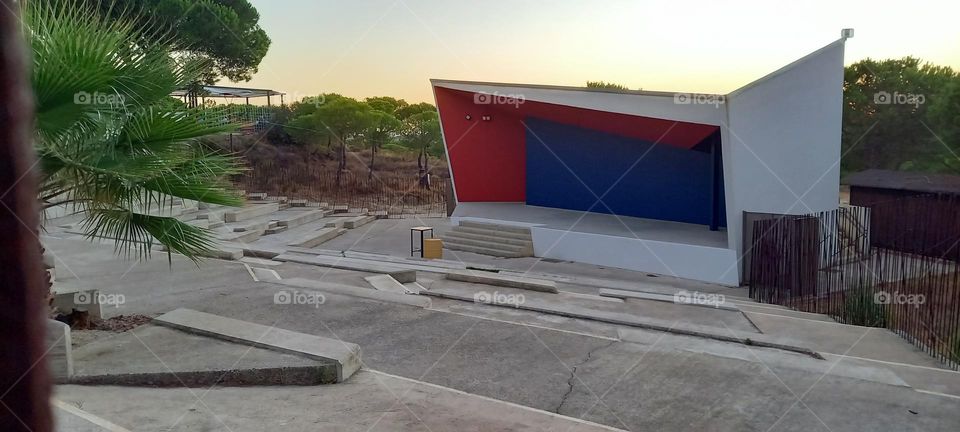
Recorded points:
(370, 401)
(580, 369)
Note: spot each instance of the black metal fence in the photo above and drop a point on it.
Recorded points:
(833, 263)
(397, 196)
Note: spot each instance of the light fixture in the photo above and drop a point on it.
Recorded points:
(469, 117)
(486, 118)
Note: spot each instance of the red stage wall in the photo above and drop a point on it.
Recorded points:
(488, 158)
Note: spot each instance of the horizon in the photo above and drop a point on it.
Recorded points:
(366, 51)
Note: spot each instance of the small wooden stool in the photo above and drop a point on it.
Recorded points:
(413, 245)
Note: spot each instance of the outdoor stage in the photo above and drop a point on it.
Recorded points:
(668, 248)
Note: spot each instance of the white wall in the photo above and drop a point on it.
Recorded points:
(781, 142)
(661, 105)
(701, 263)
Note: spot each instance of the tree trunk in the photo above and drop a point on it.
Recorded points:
(422, 165)
(342, 165)
(373, 153)
(24, 379)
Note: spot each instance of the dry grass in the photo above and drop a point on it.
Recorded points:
(300, 173)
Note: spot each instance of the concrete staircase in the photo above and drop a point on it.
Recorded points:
(490, 239)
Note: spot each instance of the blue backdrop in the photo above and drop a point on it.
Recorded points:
(668, 183)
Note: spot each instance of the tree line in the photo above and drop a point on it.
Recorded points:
(898, 114)
(335, 123)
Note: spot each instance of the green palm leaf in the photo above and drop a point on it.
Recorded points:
(107, 138)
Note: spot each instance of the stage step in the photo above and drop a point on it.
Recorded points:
(459, 234)
(490, 239)
(487, 242)
(495, 227)
(491, 232)
(453, 245)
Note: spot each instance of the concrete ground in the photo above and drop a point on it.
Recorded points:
(392, 237)
(370, 401)
(514, 366)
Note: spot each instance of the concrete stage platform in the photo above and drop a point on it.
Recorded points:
(668, 248)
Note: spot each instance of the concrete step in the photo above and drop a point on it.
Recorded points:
(250, 212)
(434, 265)
(189, 215)
(199, 223)
(455, 233)
(353, 291)
(345, 354)
(491, 278)
(386, 283)
(240, 237)
(454, 245)
(300, 217)
(250, 226)
(495, 227)
(334, 223)
(221, 252)
(319, 237)
(493, 233)
(414, 287)
(274, 230)
(489, 243)
(212, 213)
(680, 298)
(401, 274)
(358, 221)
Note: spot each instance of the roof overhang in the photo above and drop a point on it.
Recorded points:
(231, 92)
(705, 109)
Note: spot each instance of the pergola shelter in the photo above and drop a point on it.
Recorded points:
(231, 93)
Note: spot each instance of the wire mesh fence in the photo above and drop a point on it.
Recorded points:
(894, 265)
(396, 196)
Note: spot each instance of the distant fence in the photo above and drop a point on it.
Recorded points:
(832, 263)
(397, 196)
(256, 117)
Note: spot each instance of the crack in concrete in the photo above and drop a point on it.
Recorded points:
(573, 374)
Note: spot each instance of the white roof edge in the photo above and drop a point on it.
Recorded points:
(786, 68)
(435, 82)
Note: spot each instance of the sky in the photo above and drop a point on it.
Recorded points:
(363, 48)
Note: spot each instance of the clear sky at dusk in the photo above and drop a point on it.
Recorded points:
(366, 48)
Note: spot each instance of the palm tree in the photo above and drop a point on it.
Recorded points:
(108, 138)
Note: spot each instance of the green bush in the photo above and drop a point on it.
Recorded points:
(860, 307)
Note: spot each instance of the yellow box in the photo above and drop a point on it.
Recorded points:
(433, 248)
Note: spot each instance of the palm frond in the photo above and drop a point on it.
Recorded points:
(136, 233)
(106, 139)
